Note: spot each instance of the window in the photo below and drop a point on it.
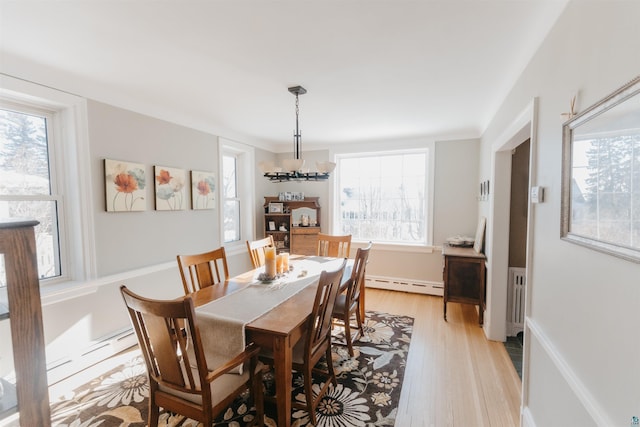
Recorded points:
(27, 188)
(237, 193)
(384, 196)
(231, 200)
(45, 174)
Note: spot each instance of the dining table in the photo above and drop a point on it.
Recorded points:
(272, 314)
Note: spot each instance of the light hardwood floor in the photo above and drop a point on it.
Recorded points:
(454, 375)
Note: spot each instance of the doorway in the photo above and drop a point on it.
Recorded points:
(518, 221)
(499, 219)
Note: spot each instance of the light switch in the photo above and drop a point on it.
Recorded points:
(537, 194)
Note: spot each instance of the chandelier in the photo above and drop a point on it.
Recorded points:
(293, 169)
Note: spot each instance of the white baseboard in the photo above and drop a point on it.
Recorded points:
(94, 353)
(405, 285)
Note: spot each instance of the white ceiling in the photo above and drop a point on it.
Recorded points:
(373, 69)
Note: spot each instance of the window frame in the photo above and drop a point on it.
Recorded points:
(68, 157)
(55, 195)
(245, 180)
(369, 150)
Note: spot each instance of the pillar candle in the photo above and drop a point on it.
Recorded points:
(270, 262)
(279, 265)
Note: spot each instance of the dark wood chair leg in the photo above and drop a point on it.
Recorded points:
(347, 334)
(308, 381)
(332, 374)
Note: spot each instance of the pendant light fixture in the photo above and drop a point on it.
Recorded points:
(293, 169)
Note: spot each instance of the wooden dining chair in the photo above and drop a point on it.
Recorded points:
(256, 250)
(316, 342)
(179, 379)
(202, 270)
(348, 301)
(334, 246)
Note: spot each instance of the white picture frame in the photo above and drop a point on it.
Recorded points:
(479, 240)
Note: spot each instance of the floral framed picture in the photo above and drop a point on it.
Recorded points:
(170, 188)
(124, 184)
(203, 187)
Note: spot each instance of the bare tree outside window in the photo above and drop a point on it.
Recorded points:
(383, 197)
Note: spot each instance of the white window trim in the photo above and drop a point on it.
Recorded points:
(246, 189)
(388, 147)
(71, 160)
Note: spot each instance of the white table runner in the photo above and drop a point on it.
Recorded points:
(222, 321)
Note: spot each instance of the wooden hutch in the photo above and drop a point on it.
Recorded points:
(282, 221)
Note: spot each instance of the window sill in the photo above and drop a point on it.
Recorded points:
(63, 291)
(397, 247)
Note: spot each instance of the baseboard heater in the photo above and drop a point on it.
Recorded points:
(405, 285)
(94, 353)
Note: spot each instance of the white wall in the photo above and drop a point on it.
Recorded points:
(582, 349)
(130, 240)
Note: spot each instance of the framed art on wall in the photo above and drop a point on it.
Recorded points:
(124, 184)
(170, 188)
(203, 188)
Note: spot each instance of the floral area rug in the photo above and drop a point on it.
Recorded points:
(367, 393)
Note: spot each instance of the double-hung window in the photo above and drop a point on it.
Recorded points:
(45, 175)
(384, 196)
(28, 188)
(232, 219)
(237, 192)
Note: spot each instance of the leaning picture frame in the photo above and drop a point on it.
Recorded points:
(275, 207)
(479, 240)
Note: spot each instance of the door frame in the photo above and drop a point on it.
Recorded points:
(523, 127)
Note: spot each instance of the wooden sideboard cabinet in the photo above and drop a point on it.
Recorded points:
(464, 278)
(283, 223)
(18, 245)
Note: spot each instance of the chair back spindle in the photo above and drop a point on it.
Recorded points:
(334, 246)
(201, 270)
(256, 250)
